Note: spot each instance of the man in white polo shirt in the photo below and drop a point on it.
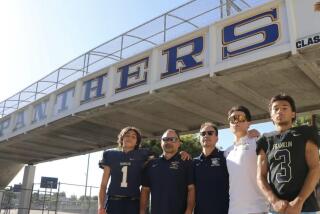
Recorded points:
(245, 196)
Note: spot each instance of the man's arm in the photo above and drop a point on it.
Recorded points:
(144, 199)
(102, 190)
(262, 173)
(312, 159)
(191, 199)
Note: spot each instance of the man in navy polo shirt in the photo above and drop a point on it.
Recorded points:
(211, 174)
(169, 179)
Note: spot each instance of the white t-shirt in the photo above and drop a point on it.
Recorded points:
(245, 196)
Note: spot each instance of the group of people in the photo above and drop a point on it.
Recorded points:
(276, 173)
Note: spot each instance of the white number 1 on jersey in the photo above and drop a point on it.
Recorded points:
(124, 170)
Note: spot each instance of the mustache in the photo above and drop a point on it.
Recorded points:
(168, 145)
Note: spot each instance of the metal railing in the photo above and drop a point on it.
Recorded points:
(186, 18)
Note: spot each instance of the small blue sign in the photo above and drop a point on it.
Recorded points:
(49, 182)
(17, 188)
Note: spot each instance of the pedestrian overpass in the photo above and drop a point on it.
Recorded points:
(178, 70)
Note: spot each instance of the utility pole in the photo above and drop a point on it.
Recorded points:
(87, 175)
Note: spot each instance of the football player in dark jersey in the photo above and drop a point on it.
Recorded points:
(123, 168)
(288, 161)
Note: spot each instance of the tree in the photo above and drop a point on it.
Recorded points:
(73, 198)
(303, 120)
(190, 144)
(153, 146)
(310, 119)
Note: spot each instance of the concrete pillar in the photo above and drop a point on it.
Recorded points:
(26, 189)
(1, 196)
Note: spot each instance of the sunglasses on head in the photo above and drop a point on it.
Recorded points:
(209, 133)
(171, 139)
(237, 119)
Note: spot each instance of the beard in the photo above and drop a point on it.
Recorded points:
(168, 148)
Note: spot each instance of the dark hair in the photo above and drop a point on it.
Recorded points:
(283, 97)
(124, 131)
(242, 109)
(211, 125)
(175, 131)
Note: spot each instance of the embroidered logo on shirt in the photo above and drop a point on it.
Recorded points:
(215, 161)
(174, 165)
(125, 163)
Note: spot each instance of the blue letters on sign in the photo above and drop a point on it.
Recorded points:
(270, 34)
(19, 121)
(188, 60)
(97, 89)
(137, 72)
(4, 125)
(40, 112)
(63, 97)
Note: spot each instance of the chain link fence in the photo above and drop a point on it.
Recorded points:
(66, 199)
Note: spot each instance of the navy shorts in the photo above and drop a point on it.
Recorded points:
(117, 205)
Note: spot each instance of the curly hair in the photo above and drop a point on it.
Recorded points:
(125, 131)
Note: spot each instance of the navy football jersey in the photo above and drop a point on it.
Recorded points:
(287, 163)
(125, 171)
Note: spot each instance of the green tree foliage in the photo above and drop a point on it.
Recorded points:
(307, 120)
(303, 120)
(190, 144)
(153, 145)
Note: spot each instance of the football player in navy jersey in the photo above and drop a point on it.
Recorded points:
(288, 161)
(123, 168)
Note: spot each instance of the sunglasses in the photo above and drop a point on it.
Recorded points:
(237, 119)
(209, 133)
(171, 139)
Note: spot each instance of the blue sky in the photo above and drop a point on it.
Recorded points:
(38, 36)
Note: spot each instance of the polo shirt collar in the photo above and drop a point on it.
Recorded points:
(212, 154)
(175, 157)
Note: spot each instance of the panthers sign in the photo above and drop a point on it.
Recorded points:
(259, 33)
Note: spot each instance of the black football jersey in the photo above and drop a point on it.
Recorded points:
(288, 168)
(125, 171)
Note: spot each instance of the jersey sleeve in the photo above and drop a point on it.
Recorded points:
(312, 134)
(105, 160)
(262, 143)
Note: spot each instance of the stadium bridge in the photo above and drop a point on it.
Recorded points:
(177, 70)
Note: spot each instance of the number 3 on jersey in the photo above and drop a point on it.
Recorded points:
(283, 158)
(124, 182)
